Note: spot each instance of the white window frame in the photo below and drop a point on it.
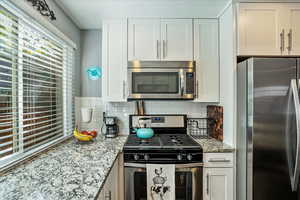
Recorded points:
(20, 155)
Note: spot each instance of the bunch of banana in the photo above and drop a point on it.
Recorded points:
(82, 137)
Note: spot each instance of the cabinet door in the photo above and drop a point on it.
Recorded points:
(144, 39)
(114, 60)
(101, 195)
(110, 189)
(206, 55)
(261, 29)
(177, 39)
(292, 13)
(111, 185)
(218, 184)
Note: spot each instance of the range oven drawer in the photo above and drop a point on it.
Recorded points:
(218, 160)
(188, 181)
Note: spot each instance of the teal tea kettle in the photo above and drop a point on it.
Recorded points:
(144, 131)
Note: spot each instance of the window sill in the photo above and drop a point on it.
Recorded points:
(8, 163)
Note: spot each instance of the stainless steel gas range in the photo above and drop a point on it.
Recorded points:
(170, 145)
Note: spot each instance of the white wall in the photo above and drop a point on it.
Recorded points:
(63, 23)
(228, 74)
(90, 56)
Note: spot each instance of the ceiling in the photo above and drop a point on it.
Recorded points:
(88, 14)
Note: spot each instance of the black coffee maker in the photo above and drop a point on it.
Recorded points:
(111, 129)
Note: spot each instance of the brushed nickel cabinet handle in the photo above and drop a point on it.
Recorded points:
(197, 89)
(290, 37)
(207, 182)
(282, 41)
(164, 48)
(157, 51)
(133, 40)
(124, 84)
(219, 160)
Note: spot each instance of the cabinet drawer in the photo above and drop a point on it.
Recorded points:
(218, 160)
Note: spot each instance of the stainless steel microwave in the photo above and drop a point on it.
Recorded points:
(161, 82)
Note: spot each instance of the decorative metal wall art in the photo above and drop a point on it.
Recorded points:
(43, 8)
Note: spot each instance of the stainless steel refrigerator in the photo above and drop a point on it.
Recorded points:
(268, 140)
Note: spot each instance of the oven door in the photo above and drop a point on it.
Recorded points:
(188, 181)
(161, 83)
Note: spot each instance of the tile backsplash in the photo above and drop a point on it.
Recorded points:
(97, 117)
(123, 110)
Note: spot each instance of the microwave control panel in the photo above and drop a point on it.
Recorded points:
(190, 83)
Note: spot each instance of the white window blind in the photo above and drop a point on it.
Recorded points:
(9, 128)
(36, 87)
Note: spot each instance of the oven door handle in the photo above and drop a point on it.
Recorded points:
(178, 166)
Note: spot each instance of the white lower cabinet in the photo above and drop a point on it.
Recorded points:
(218, 183)
(112, 189)
(218, 180)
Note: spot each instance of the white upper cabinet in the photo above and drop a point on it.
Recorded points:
(160, 39)
(260, 29)
(269, 29)
(114, 60)
(293, 28)
(206, 55)
(144, 39)
(177, 39)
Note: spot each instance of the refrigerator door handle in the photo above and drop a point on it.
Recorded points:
(295, 175)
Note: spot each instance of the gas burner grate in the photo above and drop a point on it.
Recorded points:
(175, 139)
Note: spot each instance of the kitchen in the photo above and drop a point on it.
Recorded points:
(180, 83)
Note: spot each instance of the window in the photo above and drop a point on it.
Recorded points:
(36, 87)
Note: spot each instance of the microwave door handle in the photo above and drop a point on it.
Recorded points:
(181, 83)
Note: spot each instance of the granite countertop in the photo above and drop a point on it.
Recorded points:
(68, 171)
(212, 145)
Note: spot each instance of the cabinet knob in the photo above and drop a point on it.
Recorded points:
(136, 157)
(189, 157)
(179, 157)
(146, 157)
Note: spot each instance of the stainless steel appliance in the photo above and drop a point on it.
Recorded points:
(268, 121)
(162, 80)
(111, 126)
(170, 145)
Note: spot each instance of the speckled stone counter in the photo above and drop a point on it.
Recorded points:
(67, 171)
(214, 146)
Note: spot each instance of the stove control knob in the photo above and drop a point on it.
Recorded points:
(179, 157)
(146, 157)
(189, 157)
(136, 156)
